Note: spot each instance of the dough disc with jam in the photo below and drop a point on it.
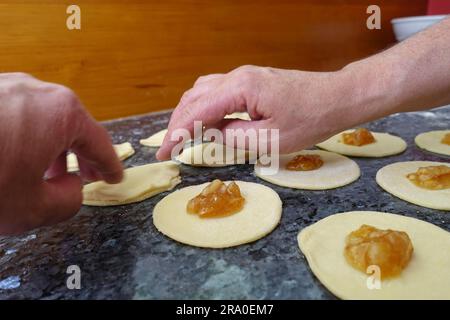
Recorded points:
(139, 183)
(123, 151)
(392, 178)
(427, 276)
(432, 141)
(385, 145)
(336, 171)
(259, 216)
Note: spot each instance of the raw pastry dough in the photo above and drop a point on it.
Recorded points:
(392, 178)
(139, 183)
(260, 215)
(239, 115)
(203, 155)
(427, 275)
(385, 145)
(431, 141)
(123, 151)
(154, 140)
(337, 171)
(157, 139)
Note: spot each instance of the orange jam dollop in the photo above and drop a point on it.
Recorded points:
(432, 177)
(446, 139)
(388, 249)
(217, 200)
(359, 137)
(305, 162)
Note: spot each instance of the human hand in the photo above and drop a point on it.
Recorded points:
(307, 107)
(39, 123)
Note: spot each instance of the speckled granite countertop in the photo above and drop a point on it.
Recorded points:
(121, 255)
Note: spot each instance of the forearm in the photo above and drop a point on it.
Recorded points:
(412, 75)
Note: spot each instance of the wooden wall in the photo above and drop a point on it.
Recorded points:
(138, 56)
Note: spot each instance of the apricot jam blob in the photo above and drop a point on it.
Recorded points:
(359, 137)
(388, 249)
(431, 178)
(217, 200)
(305, 162)
(446, 139)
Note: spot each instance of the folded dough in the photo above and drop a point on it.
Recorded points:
(392, 178)
(385, 145)
(123, 151)
(427, 275)
(336, 171)
(204, 155)
(139, 183)
(431, 141)
(259, 216)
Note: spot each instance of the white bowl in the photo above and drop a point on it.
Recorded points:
(406, 27)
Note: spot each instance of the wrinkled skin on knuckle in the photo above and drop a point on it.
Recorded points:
(67, 114)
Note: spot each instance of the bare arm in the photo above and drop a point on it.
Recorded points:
(308, 107)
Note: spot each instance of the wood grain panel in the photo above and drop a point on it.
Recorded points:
(138, 56)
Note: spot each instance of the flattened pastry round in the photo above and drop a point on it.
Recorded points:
(431, 141)
(392, 178)
(259, 216)
(139, 183)
(385, 145)
(336, 171)
(154, 140)
(427, 276)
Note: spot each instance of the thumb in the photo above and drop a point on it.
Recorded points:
(62, 198)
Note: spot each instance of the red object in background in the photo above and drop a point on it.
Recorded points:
(438, 7)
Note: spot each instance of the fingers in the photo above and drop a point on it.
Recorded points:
(57, 168)
(87, 172)
(242, 134)
(207, 78)
(210, 108)
(61, 199)
(55, 200)
(95, 152)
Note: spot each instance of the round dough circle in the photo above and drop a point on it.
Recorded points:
(154, 140)
(259, 216)
(336, 171)
(431, 141)
(203, 155)
(385, 145)
(392, 178)
(427, 275)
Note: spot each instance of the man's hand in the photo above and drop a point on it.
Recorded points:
(306, 107)
(39, 123)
